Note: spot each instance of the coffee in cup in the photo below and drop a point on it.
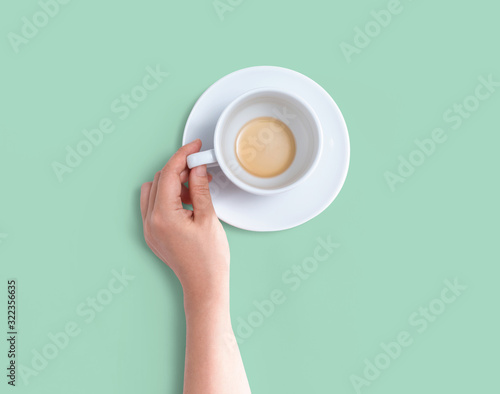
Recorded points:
(265, 147)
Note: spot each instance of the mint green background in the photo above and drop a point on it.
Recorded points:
(396, 248)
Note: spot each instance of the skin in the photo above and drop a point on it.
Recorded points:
(194, 245)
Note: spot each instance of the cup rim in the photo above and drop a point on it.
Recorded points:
(225, 114)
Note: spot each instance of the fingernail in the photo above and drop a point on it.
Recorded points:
(200, 170)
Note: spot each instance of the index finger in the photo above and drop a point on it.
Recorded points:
(170, 183)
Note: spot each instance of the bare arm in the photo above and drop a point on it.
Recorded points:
(194, 245)
(213, 361)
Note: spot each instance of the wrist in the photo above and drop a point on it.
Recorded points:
(206, 295)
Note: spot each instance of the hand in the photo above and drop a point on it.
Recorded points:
(192, 243)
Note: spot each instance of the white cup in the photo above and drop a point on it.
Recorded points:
(292, 110)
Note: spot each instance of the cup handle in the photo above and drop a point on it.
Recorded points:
(198, 159)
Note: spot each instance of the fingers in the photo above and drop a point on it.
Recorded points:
(200, 193)
(185, 196)
(177, 162)
(145, 189)
(185, 176)
(170, 182)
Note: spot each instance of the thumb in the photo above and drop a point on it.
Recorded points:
(200, 193)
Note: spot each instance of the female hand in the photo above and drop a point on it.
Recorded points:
(192, 243)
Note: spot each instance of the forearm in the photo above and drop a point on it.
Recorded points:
(213, 361)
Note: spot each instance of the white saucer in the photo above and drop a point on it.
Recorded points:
(294, 207)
